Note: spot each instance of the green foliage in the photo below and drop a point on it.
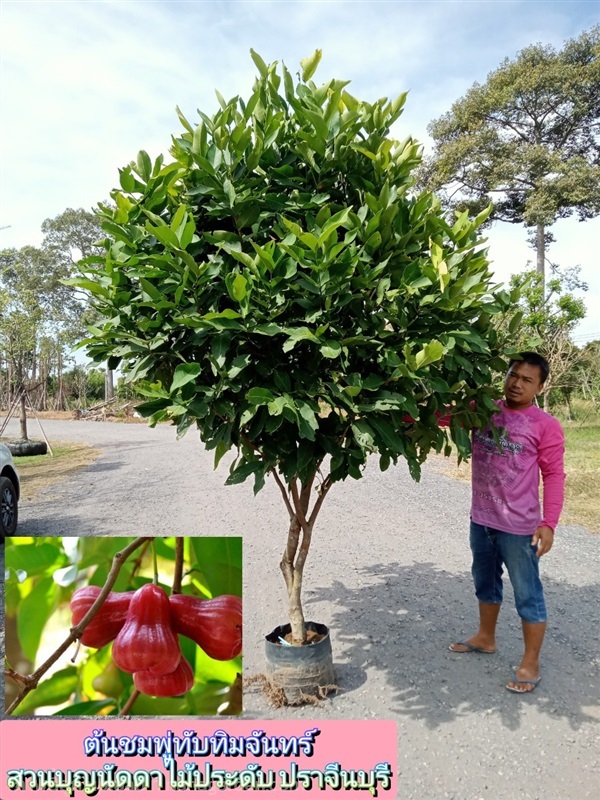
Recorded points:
(546, 318)
(545, 308)
(277, 285)
(525, 139)
(42, 573)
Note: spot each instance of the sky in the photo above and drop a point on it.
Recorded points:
(86, 84)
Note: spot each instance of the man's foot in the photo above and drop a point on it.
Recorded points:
(472, 646)
(522, 682)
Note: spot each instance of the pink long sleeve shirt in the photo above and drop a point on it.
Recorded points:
(506, 484)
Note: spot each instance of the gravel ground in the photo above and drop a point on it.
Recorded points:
(389, 573)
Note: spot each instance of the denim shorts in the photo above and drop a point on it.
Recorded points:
(491, 550)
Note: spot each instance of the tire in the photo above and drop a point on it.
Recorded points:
(9, 511)
(27, 448)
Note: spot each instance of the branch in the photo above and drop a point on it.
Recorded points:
(31, 681)
(178, 574)
(284, 493)
(325, 487)
(300, 515)
(129, 704)
(138, 562)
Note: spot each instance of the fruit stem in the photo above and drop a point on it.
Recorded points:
(155, 563)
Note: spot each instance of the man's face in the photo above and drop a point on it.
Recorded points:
(522, 383)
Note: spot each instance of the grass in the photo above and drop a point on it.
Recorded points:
(39, 472)
(582, 467)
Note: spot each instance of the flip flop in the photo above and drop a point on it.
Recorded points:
(470, 649)
(514, 689)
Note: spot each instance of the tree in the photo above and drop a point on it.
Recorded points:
(548, 316)
(69, 237)
(589, 373)
(277, 286)
(42, 318)
(527, 139)
(24, 293)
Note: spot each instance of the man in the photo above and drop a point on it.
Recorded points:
(507, 526)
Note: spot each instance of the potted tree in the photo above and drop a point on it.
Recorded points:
(278, 286)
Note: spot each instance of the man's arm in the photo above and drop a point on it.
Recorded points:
(551, 454)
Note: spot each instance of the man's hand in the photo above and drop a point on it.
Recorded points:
(544, 539)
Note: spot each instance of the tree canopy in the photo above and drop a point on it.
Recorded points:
(279, 286)
(40, 317)
(527, 139)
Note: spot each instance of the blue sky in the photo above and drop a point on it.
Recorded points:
(86, 84)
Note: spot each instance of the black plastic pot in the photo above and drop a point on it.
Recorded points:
(301, 671)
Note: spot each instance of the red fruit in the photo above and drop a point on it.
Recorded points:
(109, 618)
(147, 640)
(215, 625)
(173, 683)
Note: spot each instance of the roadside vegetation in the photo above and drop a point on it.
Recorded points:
(40, 472)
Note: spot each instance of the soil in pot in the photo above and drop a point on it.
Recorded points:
(303, 672)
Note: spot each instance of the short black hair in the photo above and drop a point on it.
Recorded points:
(535, 359)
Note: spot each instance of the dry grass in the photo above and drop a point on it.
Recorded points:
(39, 472)
(582, 466)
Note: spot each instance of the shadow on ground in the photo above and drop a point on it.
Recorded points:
(404, 617)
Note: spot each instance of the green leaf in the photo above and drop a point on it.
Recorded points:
(310, 64)
(93, 287)
(260, 64)
(331, 349)
(431, 352)
(144, 165)
(151, 290)
(259, 397)
(35, 559)
(220, 450)
(164, 235)
(88, 708)
(219, 559)
(239, 474)
(51, 692)
(239, 287)
(387, 435)
(33, 614)
(297, 335)
(185, 373)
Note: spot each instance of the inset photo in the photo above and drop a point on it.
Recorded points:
(123, 626)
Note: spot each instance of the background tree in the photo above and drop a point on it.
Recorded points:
(278, 287)
(42, 318)
(24, 295)
(549, 315)
(526, 140)
(69, 237)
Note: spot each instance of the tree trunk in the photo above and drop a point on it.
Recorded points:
(294, 587)
(59, 381)
(546, 400)
(109, 387)
(44, 393)
(9, 380)
(298, 544)
(23, 417)
(540, 246)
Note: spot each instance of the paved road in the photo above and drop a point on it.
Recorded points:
(389, 573)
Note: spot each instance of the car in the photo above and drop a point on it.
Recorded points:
(10, 490)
